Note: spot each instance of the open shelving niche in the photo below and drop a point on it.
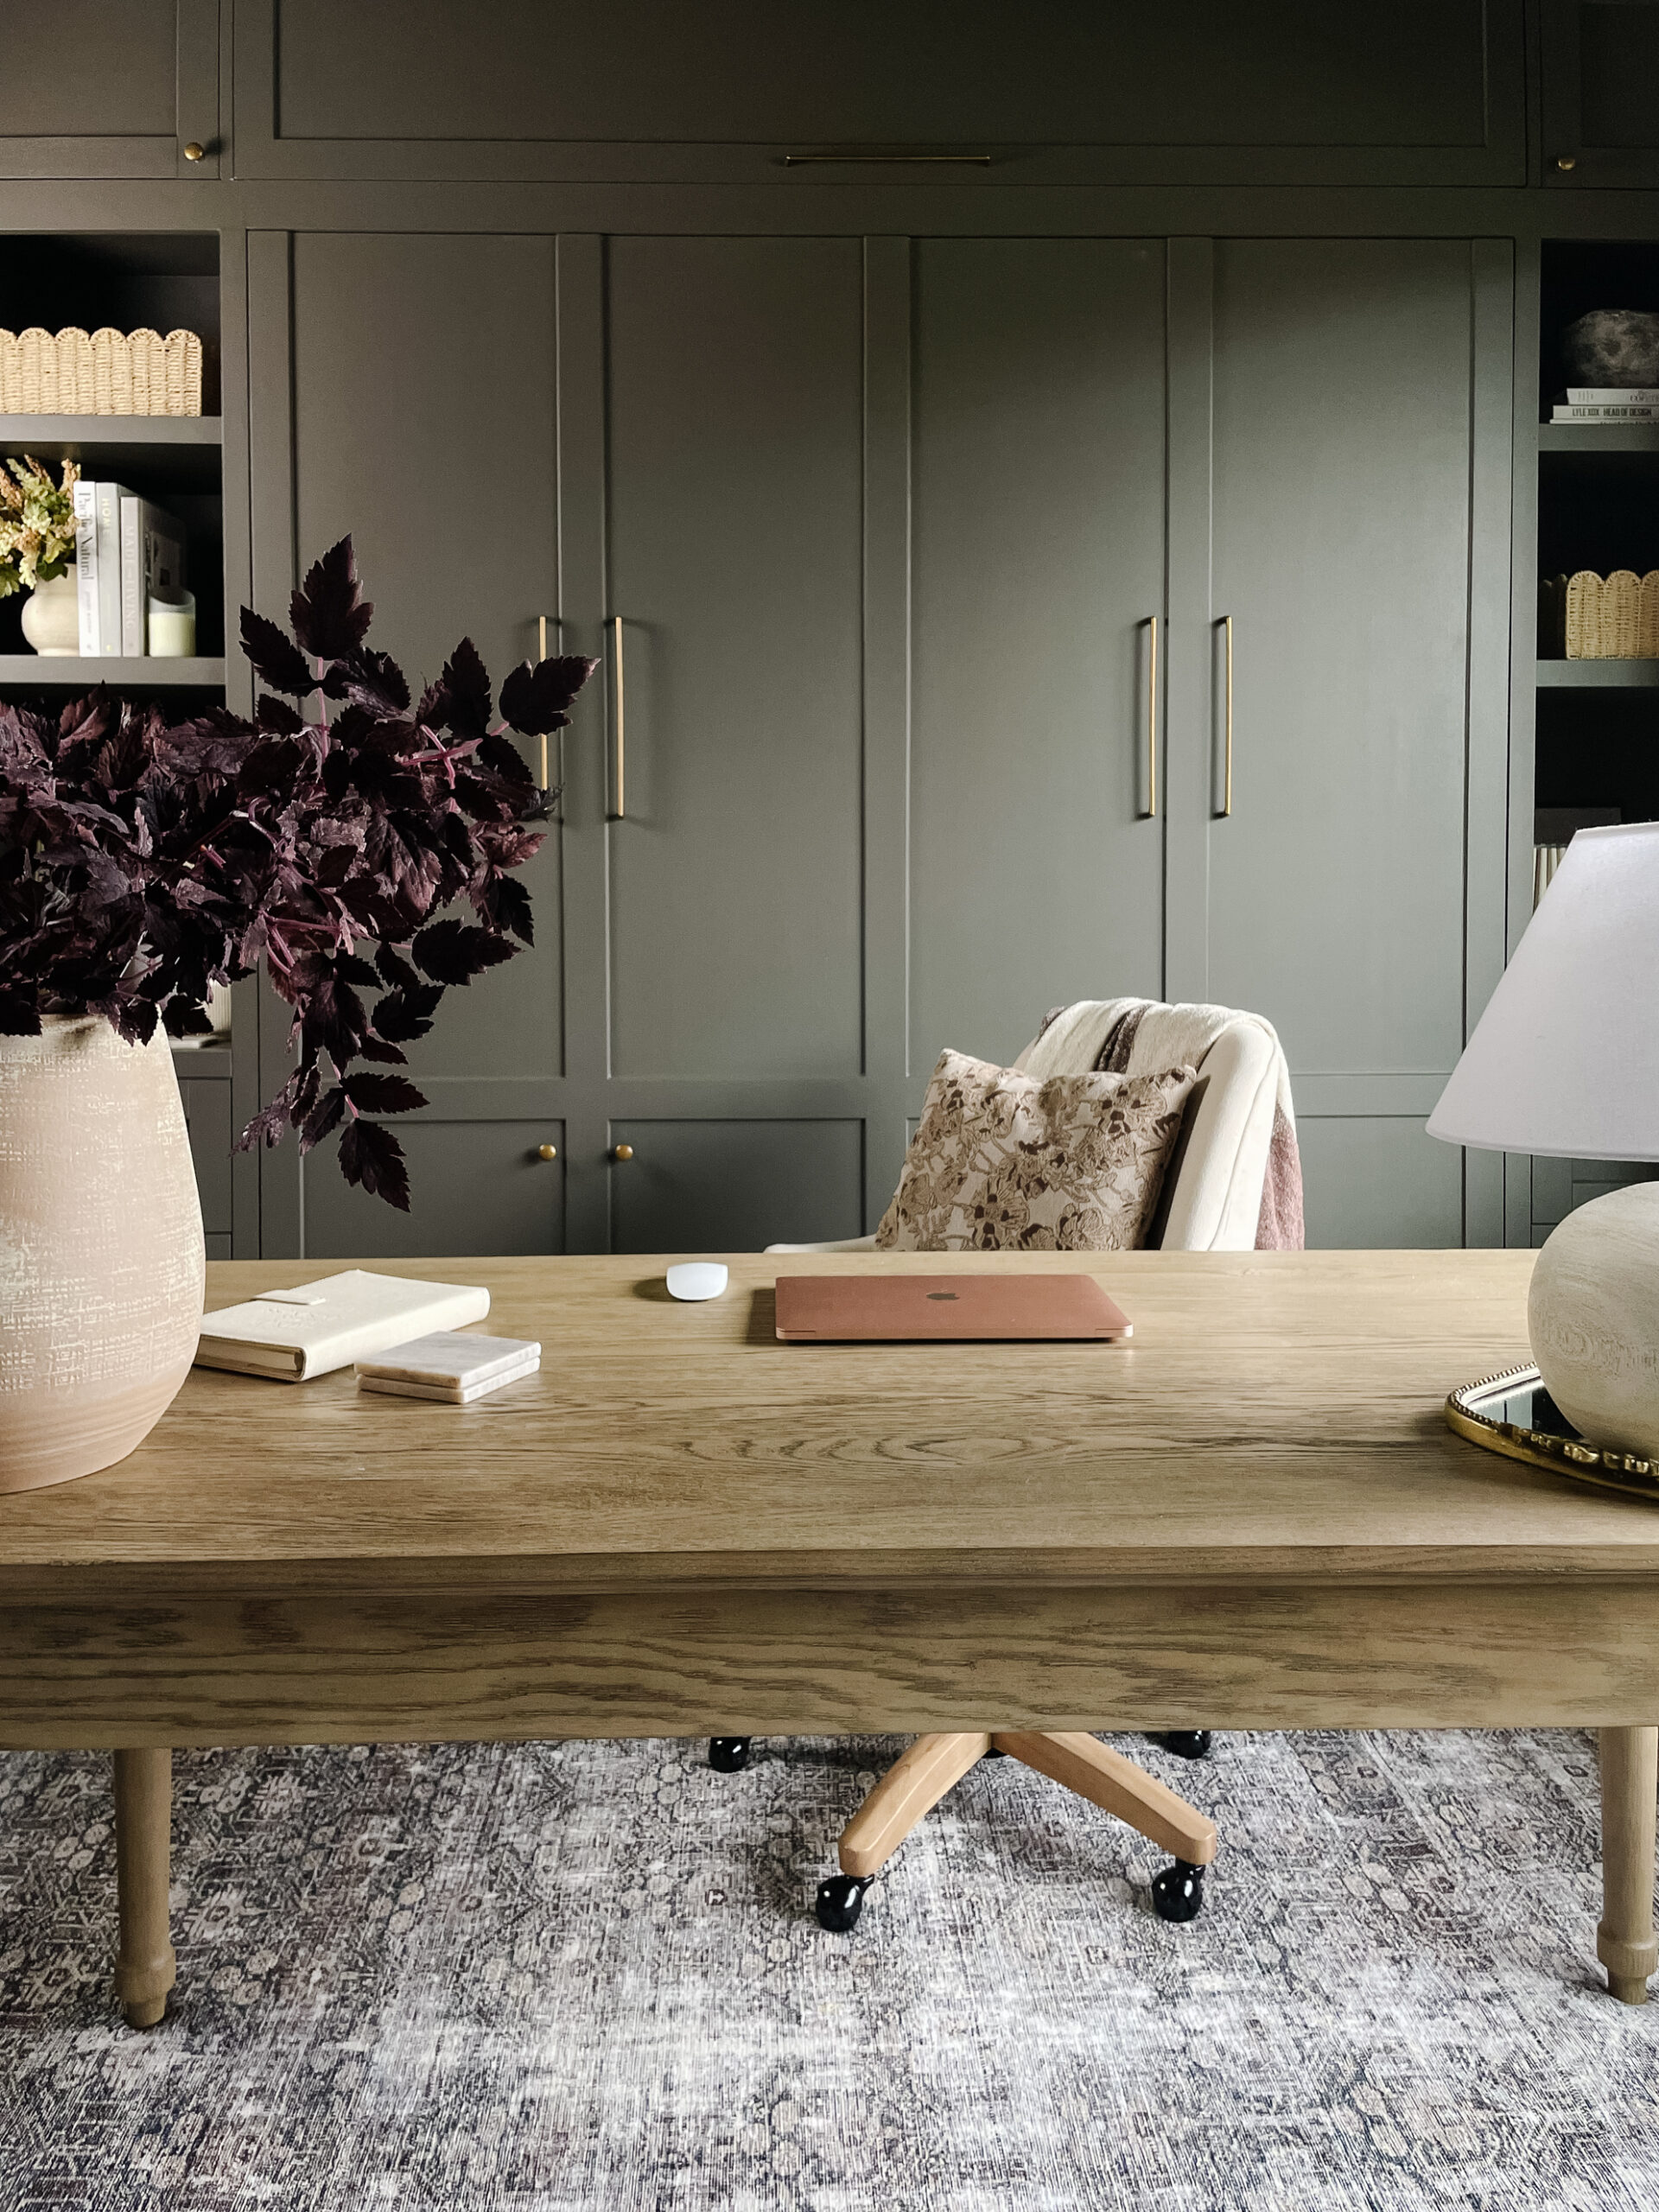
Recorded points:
(1597, 720)
(162, 282)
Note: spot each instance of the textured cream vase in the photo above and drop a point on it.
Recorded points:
(52, 616)
(1592, 1314)
(101, 1255)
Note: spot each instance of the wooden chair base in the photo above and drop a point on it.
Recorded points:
(910, 1789)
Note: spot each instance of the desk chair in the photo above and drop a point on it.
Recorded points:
(1212, 1201)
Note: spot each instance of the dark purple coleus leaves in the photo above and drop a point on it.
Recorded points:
(142, 861)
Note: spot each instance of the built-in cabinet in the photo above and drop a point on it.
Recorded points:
(1600, 63)
(1203, 90)
(911, 565)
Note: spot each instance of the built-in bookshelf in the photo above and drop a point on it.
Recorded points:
(162, 283)
(127, 282)
(1597, 721)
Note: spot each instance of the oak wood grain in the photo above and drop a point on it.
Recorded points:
(1276, 1415)
(727, 1661)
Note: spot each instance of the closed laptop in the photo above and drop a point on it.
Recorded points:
(902, 1308)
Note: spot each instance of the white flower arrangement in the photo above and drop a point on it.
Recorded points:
(37, 523)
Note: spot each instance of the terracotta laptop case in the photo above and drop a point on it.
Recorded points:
(818, 1309)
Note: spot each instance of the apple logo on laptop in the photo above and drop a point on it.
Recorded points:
(937, 1295)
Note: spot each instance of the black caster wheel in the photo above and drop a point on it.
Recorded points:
(840, 1900)
(1186, 1743)
(729, 1754)
(1178, 1892)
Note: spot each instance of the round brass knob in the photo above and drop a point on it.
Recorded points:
(195, 151)
(622, 1151)
(1567, 161)
(547, 1152)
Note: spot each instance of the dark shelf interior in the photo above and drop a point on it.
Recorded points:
(126, 279)
(153, 453)
(1599, 749)
(1579, 274)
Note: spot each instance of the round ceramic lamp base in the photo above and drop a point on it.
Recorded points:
(1592, 1314)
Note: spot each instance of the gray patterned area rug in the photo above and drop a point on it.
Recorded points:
(587, 1975)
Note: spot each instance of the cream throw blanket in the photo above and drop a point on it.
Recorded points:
(1239, 1152)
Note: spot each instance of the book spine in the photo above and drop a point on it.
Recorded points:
(86, 565)
(132, 576)
(1612, 395)
(1606, 414)
(109, 566)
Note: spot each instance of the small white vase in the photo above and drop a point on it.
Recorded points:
(1592, 1314)
(102, 1264)
(52, 616)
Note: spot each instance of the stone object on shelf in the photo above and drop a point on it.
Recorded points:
(1613, 346)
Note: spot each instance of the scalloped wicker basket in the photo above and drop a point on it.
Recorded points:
(100, 373)
(1613, 618)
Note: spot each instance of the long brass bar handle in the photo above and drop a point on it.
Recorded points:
(1152, 726)
(619, 812)
(1227, 770)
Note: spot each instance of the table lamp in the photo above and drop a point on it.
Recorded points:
(1564, 1061)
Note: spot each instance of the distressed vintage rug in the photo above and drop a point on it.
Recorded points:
(587, 1975)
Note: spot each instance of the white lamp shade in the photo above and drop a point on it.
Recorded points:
(1564, 1060)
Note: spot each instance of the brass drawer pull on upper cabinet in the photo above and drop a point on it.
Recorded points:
(1151, 814)
(622, 1151)
(195, 151)
(1227, 770)
(893, 154)
(547, 1152)
(619, 812)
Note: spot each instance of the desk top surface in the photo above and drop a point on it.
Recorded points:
(1277, 1415)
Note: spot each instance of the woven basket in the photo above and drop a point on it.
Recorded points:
(109, 372)
(1613, 618)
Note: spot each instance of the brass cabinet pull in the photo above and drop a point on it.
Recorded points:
(1567, 161)
(620, 812)
(1227, 771)
(621, 1152)
(540, 654)
(1151, 814)
(893, 154)
(194, 151)
(547, 1152)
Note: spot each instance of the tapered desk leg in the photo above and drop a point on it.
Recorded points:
(144, 1966)
(1630, 1783)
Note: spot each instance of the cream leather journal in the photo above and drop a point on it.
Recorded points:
(293, 1335)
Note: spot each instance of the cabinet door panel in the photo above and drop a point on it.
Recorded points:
(424, 415)
(734, 1186)
(1420, 91)
(1341, 551)
(477, 1188)
(207, 1117)
(735, 517)
(97, 91)
(1039, 558)
(1601, 93)
(1373, 1182)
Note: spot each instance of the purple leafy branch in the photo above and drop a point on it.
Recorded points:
(142, 861)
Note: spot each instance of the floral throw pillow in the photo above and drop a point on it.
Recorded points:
(1003, 1163)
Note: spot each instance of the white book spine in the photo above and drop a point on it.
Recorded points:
(1612, 395)
(132, 575)
(86, 565)
(109, 566)
(1604, 415)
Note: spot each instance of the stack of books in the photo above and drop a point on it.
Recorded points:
(126, 551)
(1597, 402)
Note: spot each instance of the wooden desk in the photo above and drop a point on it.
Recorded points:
(1253, 1517)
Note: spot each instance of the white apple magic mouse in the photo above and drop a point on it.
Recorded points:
(697, 1279)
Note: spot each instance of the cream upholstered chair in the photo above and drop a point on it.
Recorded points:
(1212, 1202)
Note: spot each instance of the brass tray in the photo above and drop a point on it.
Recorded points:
(1513, 1412)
